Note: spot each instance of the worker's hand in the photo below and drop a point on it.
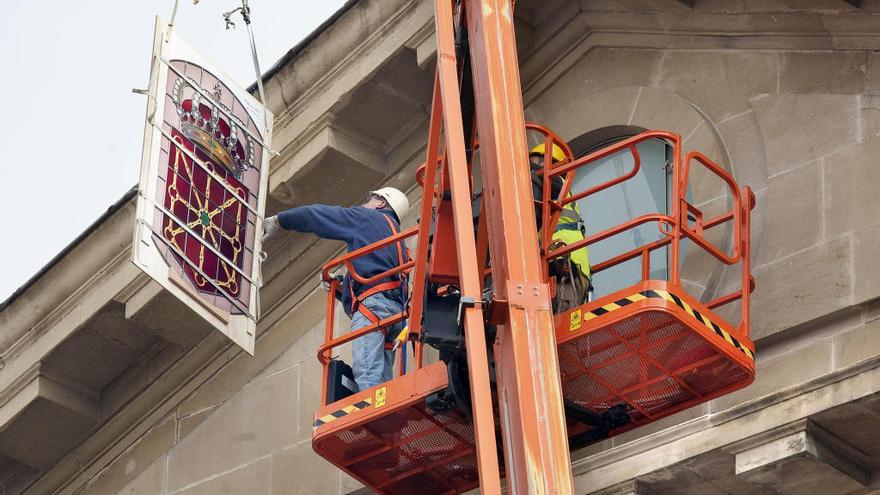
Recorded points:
(325, 285)
(270, 226)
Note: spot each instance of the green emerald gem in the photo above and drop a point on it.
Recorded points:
(205, 218)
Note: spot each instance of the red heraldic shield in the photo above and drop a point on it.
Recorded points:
(203, 208)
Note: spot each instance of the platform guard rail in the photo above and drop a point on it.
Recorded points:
(685, 221)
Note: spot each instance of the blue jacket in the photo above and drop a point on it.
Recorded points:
(358, 227)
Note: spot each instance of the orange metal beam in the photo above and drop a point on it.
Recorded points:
(430, 179)
(471, 277)
(529, 392)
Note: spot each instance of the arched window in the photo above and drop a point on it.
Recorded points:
(648, 192)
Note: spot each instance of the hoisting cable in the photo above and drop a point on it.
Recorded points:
(173, 16)
(246, 16)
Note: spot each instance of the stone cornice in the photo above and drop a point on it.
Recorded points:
(306, 116)
(376, 36)
(712, 431)
(67, 318)
(43, 305)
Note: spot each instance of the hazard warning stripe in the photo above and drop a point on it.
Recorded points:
(345, 411)
(666, 296)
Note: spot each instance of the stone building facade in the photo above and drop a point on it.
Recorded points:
(110, 386)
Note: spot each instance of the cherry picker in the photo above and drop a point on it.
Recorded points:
(517, 378)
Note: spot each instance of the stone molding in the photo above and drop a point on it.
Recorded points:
(643, 455)
(113, 235)
(801, 437)
(67, 318)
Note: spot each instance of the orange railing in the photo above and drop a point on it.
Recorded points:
(330, 342)
(673, 227)
(684, 222)
(412, 311)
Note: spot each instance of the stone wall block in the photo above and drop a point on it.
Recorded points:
(849, 41)
(251, 479)
(186, 424)
(833, 72)
(866, 264)
(572, 117)
(257, 421)
(302, 351)
(852, 187)
(660, 109)
(871, 403)
(869, 114)
(849, 24)
(244, 367)
(136, 459)
(590, 74)
(793, 214)
(742, 137)
(311, 374)
(339, 40)
(800, 128)
(274, 97)
(351, 486)
(796, 475)
(872, 68)
(149, 482)
(801, 287)
(661, 424)
(701, 76)
(783, 371)
(300, 470)
(654, 6)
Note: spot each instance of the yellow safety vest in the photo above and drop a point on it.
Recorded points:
(569, 230)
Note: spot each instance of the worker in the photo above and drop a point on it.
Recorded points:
(569, 229)
(376, 219)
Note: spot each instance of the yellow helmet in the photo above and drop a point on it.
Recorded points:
(558, 154)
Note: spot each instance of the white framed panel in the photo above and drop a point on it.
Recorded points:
(202, 188)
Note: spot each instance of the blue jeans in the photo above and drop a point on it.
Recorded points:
(372, 362)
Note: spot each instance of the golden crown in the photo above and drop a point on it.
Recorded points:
(203, 123)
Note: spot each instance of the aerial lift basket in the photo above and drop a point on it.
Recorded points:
(392, 441)
(652, 349)
(388, 437)
(625, 359)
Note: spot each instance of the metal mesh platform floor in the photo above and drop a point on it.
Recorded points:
(656, 352)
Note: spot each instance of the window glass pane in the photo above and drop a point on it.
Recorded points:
(643, 194)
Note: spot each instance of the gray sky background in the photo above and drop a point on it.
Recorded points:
(71, 129)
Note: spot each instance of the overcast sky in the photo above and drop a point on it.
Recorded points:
(71, 129)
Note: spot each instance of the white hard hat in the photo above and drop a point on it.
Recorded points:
(395, 199)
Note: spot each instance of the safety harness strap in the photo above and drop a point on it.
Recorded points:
(357, 300)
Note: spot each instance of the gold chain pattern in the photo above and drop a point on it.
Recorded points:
(200, 218)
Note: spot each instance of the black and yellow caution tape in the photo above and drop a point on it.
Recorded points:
(577, 317)
(345, 411)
